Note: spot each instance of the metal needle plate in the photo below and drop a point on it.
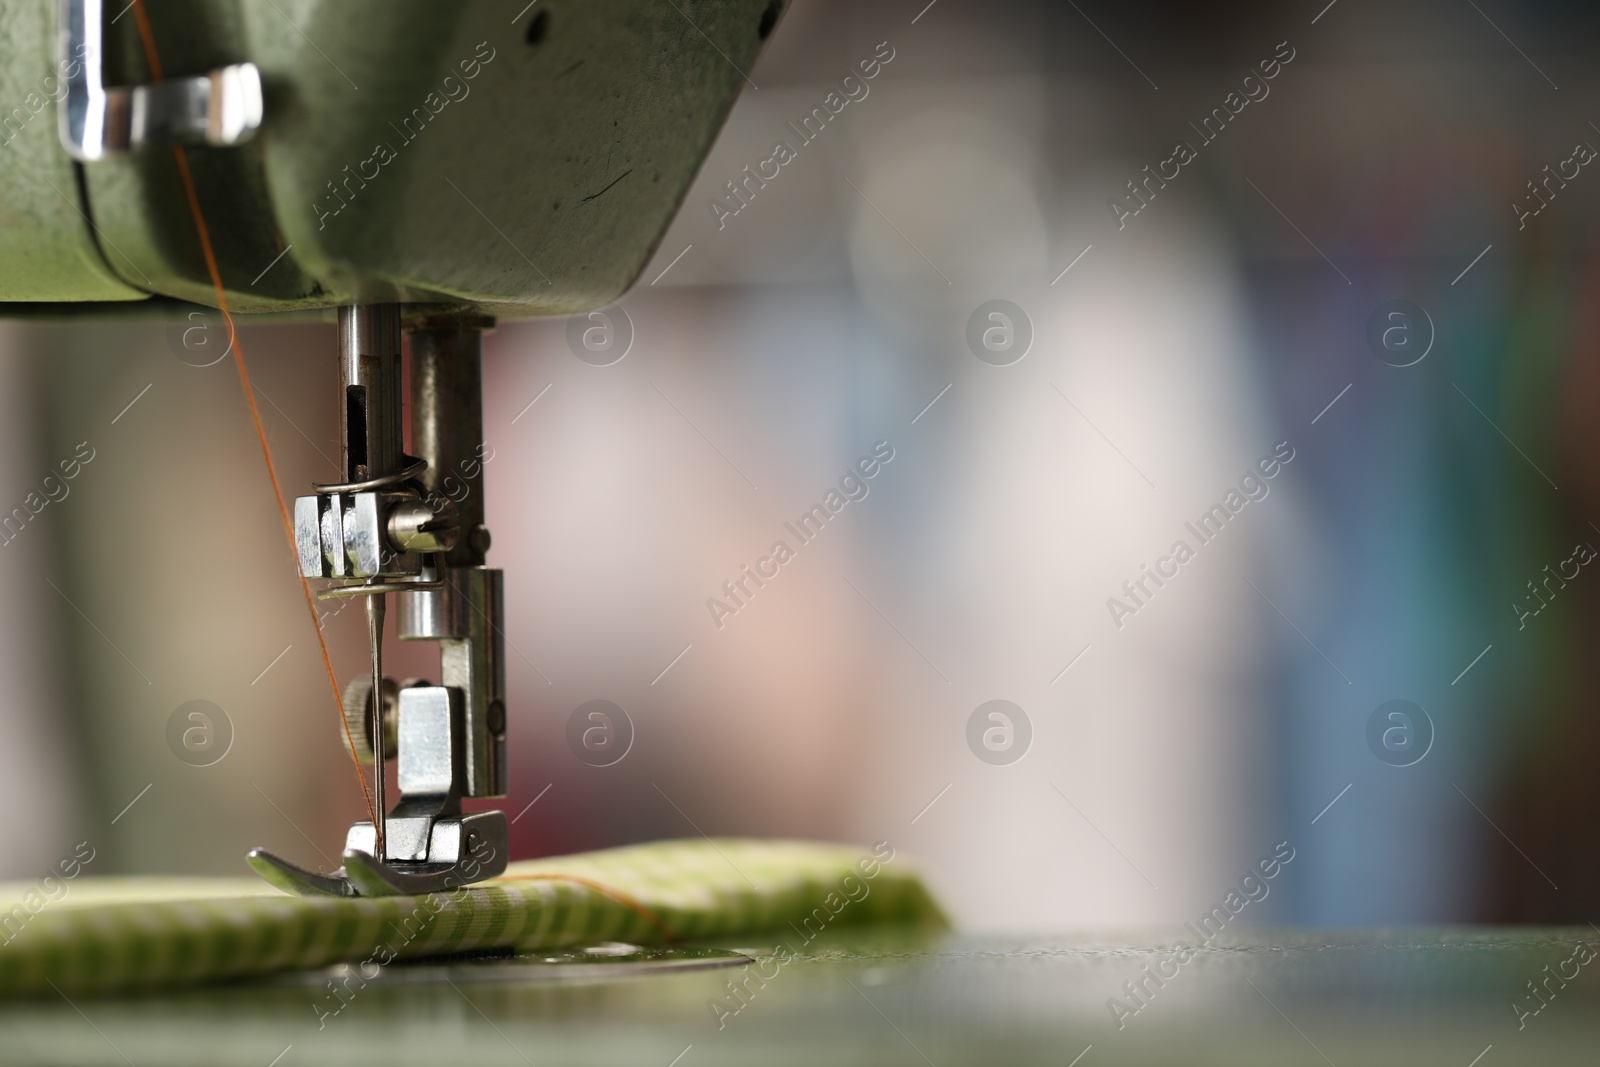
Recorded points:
(610, 959)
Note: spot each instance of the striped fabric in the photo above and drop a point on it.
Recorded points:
(113, 935)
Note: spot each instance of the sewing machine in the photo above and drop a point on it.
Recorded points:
(421, 170)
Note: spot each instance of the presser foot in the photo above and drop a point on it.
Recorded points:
(458, 851)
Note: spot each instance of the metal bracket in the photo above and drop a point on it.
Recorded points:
(478, 843)
(465, 613)
(221, 107)
(429, 845)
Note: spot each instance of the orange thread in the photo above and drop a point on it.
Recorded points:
(604, 890)
(147, 38)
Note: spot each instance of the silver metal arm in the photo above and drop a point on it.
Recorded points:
(464, 613)
(220, 107)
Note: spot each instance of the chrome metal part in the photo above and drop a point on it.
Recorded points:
(295, 879)
(369, 370)
(606, 961)
(470, 848)
(363, 536)
(414, 526)
(394, 525)
(463, 849)
(375, 526)
(378, 585)
(405, 474)
(430, 721)
(330, 527)
(464, 613)
(221, 107)
(357, 734)
(370, 535)
(447, 423)
(309, 537)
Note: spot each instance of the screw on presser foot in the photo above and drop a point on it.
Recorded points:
(393, 527)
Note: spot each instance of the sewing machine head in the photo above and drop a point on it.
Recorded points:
(421, 169)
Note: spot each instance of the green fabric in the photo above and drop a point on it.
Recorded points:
(131, 934)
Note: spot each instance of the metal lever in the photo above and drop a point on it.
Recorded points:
(221, 107)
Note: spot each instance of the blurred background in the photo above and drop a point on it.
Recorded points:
(1426, 542)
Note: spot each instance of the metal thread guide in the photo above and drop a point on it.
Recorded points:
(97, 121)
(412, 526)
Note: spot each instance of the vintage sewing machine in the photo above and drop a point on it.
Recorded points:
(425, 169)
